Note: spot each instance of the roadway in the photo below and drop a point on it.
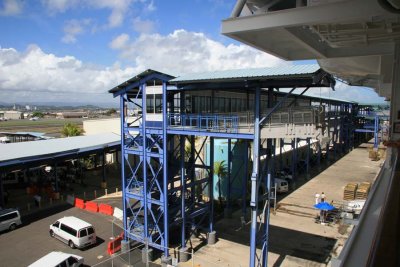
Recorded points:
(32, 241)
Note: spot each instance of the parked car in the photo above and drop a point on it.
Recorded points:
(285, 174)
(282, 186)
(74, 232)
(58, 258)
(10, 219)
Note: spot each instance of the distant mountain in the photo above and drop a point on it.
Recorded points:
(58, 105)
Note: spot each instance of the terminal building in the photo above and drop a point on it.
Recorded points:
(172, 129)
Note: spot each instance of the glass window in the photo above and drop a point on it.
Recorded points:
(56, 224)
(82, 233)
(158, 103)
(150, 103)
(90, 230)
(63, 264)
(72, 261)
(68, 230)
(8, 216)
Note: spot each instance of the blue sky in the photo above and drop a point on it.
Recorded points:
(75, 50)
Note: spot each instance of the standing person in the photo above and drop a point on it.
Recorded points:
(323, 197)
(317, 196)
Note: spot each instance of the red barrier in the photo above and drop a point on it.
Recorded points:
(91, 206)
(114, 245)
(79, 203)
(106, 209)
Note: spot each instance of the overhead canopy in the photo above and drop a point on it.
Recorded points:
(308, 75)
(352, 39)
(22, 153)
(133, 83)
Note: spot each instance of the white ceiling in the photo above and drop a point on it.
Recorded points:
(352, 39)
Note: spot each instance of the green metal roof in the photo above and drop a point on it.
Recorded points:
(284, 71)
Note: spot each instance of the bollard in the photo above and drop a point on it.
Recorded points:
(29, 206)
(95, 194)
(192, 258)
(84, 195)
(105, 191)
(116, 190)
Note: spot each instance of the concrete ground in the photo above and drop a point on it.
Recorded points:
(296, 239)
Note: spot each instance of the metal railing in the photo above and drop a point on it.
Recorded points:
(204, 122)
(232, 123)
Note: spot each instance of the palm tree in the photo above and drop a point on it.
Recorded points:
(220, 169)
(71, 129)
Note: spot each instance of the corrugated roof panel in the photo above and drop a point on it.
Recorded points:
(19, 151)
(249, 73)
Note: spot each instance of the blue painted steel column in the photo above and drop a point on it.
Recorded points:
(376, 131)
(228, 195)
(308, 159)
(266, 221)
(281, 144)
(165, 169)
(144, 158)
(183, 190)
(244, 179)
(211, 184)
(293, 167)
(254, 179)
(122, 112)
(55, 177)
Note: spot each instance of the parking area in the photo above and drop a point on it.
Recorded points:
(32, 240)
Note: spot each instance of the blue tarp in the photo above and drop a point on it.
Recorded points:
(324, 206)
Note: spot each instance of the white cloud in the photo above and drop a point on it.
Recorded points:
(59, 6)
(120, 41)
(36, 75)
(72, 28)
(143, 26)
(184, 52)
(118, 8)
(11, 7)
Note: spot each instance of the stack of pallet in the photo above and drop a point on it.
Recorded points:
(350, 191)
(363, 190)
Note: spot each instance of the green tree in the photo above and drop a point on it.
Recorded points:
(111, 111)
(37, 114)
(71, 129)
(221, 170)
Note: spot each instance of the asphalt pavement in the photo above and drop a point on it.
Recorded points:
(32, 241)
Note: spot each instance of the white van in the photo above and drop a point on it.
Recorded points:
(282, 185)
(74, 232)
(9, 219)
(58, 259)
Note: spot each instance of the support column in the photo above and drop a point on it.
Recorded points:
(144, 160)
(281, 144)
(122, 109)
(212, 234)
(228, 208)
(183, 191)
(56, 177)
(395, 96)
(2, 202)
(244, 180)
(103, 165)
(308, 159)
(167, 259)
(254, 179)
